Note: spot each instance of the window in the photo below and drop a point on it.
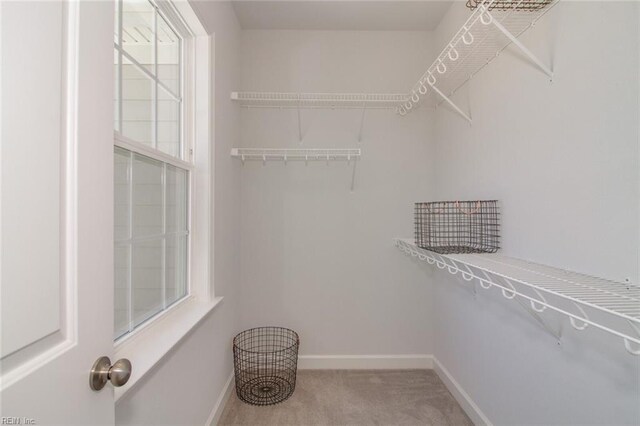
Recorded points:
(152, 200)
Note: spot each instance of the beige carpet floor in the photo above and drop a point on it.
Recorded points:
(356, 397)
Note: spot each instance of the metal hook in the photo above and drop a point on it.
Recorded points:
(506, 293)
(443, 69)
(572, 320)
(534, 305)
(467, 276)
(415, 97)
(483, 284)
(453, 58)
(464, 38)
(490, 20)
(420, 89)
(431, 79)
(627, 343)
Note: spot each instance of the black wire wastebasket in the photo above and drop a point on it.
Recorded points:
(265, 361)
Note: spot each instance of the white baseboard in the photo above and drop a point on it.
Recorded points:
(214, 417)
(468, 405)
(364, 362)
(371, 362)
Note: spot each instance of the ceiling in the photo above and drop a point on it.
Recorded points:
(377, 15)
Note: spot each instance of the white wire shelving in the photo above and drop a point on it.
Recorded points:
(587, 301)
(480, 40)
(319, 100)
(348, 155)
(299, 101)
(312, 154)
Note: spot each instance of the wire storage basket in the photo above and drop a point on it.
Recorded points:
(265, 361)
(447, 227)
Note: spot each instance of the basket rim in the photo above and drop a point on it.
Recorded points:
(297, 340)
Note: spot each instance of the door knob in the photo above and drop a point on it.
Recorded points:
(102, 372)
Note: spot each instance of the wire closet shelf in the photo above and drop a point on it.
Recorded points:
(492, 26)
(319, 100)
(311, 154)
(539, 287)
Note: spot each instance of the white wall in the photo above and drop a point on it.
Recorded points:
(311, 255)
(562, 158)
(316, 257)
(184, 387)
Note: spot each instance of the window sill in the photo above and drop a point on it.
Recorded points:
(151, 344)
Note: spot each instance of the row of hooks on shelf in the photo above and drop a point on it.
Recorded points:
(457, 53)
(534, 305)
(348, 155)
(439, 67)
(286, 154)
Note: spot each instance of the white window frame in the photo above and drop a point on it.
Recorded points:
(185, 138)
(152, 340)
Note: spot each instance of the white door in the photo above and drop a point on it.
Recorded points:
(56, 210)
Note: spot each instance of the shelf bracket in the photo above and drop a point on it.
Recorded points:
(534, 313)
(556, 334)
(521, 46)
(361, 124)
(450, 102)
(299, 124)
(353, 174)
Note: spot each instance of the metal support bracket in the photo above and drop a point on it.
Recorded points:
(450, 102)
(361, 124)
(509, 295)
(299, 125)
(527, 307)
(522, 47)
(556, 334)
(353, 174)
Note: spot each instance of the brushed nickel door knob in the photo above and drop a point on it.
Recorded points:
(102, 372)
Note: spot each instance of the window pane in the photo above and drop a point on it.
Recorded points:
(176, 268)
(168, 124)
(137, 31)
(121, 194)
(137, 104)
(168, 70)
(176, 199)
(147, 196)
(121, 295)
(146, 279)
